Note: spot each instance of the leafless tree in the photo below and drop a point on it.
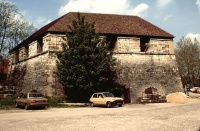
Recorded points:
(188, 59)
(19, 31)
(13, 28)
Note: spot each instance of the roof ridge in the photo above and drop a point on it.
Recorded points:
(102, 14)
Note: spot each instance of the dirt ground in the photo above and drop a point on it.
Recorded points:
(134, 117)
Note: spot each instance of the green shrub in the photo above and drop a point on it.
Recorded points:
(53, 101)
(6, 103)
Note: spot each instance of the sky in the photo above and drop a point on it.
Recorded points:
(180, 18)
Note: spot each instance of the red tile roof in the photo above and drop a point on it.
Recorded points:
(104, 24)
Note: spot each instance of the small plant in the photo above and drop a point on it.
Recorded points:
(60, 102)
(6, 103)
(54, 101)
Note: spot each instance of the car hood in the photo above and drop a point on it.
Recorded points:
(114, 98)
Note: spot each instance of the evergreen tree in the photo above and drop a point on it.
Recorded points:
(85, 65)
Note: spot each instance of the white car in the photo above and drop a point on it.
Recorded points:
(105, 98)
(194, 89)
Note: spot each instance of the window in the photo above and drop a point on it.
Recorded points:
(17, 56)
(26, 53)
(95, 96)
(144, 40)
(25, 96)
(100, 96)
(35, 95)
(112, 39)
(108, 95)
(39, 45)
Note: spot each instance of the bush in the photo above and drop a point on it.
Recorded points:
(59, 102)
(54, 101)
(6, 103)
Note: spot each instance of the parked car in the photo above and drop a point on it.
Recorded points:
(105, 98)
(9, 93)
(32, 99)
(198, 90)
(194, 89)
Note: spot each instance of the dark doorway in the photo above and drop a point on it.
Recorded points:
(151, 90)
(126, 95)
(112, 39)
(144, 41)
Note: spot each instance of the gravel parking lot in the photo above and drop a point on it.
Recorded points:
(138, 117)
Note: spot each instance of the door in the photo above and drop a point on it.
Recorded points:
(100, 100)
(126, 95)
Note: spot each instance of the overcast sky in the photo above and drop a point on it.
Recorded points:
(178, 17)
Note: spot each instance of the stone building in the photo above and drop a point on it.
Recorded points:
(146, 54)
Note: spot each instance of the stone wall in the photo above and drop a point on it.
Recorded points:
(32, 49)
(22, 54)
(54, 42)
(160, 46)
(127, 45)
(159, 71)
(37, 70)
(154, 66)
(38, 73)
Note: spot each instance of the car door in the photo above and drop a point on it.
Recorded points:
(94, 99)
(23, 99)
(19, 100)
(100, 100)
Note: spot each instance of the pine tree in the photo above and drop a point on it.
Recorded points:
(85, 65)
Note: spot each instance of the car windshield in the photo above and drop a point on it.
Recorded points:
(35, 95)
(108, 95)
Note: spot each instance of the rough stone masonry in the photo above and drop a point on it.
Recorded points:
(145, 52)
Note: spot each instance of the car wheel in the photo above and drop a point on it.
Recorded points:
(26, 107)
(92, 104)
(43, 107)
(108, 104)
(16, 105)
(120, 105)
